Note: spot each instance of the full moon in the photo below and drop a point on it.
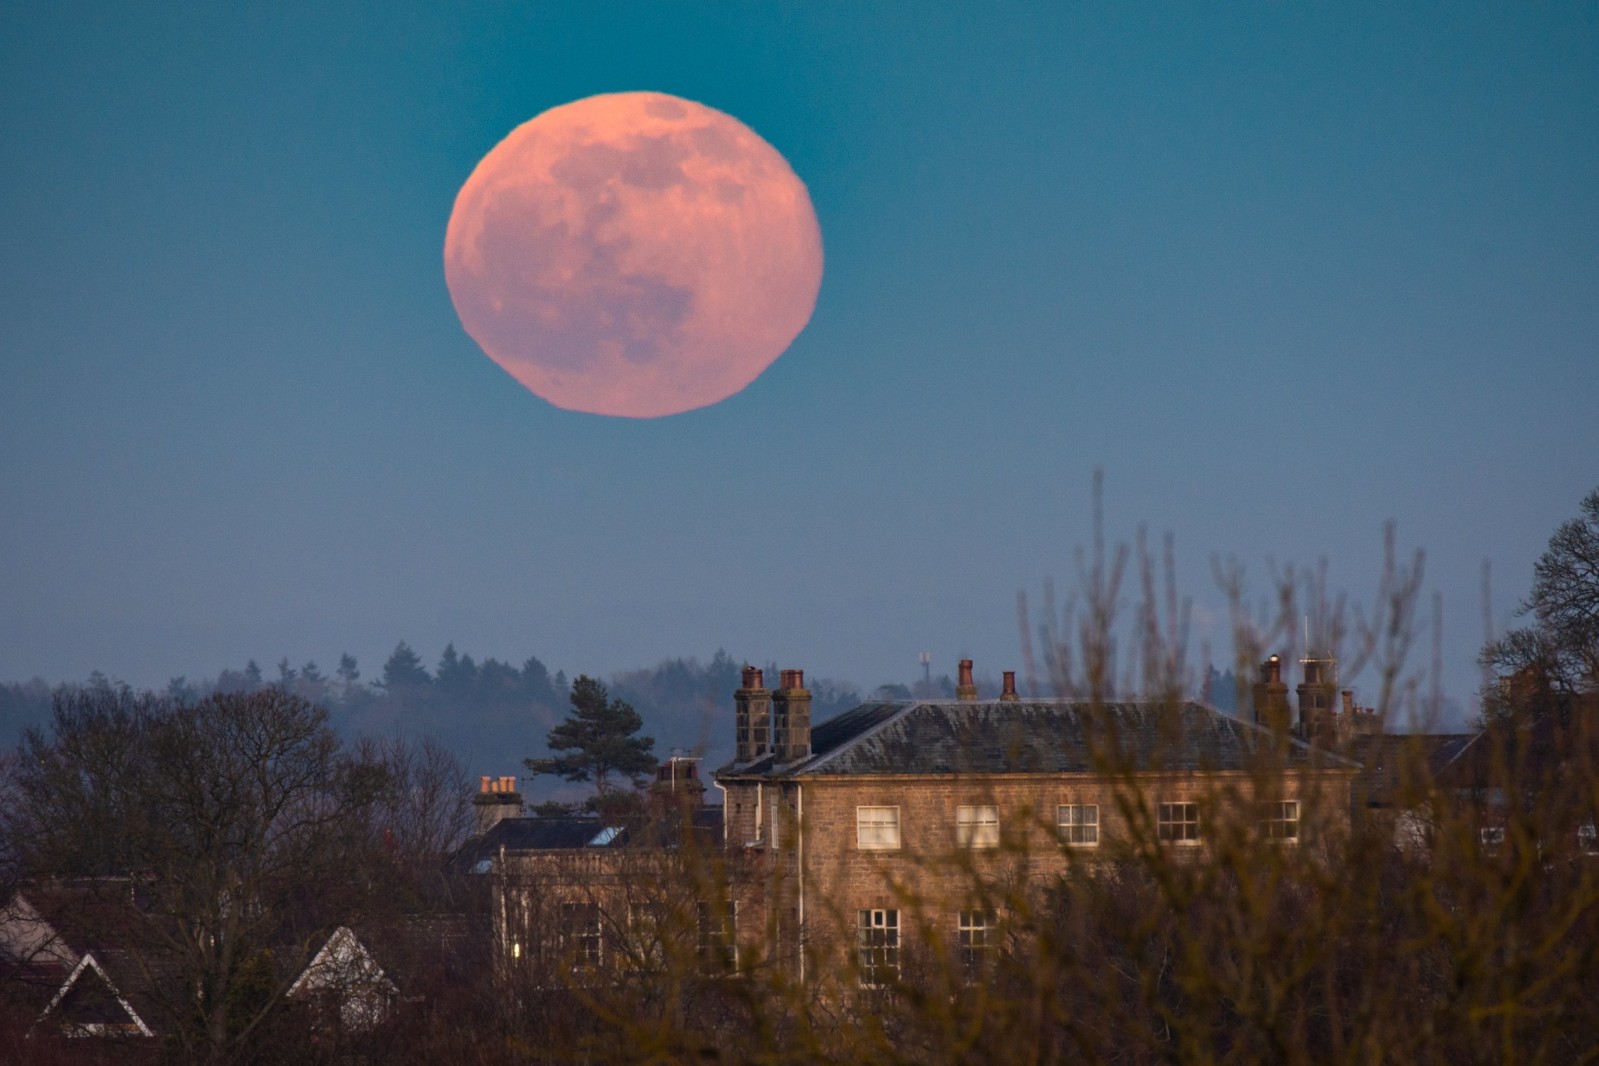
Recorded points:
(633, 254)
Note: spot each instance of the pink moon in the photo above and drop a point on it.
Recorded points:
(633, 254)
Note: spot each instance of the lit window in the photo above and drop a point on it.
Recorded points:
(878, 947)
(1279, 819)
(1491, 837)
(1178, 823)
(978, 939)
(877, 828)
(718, 937)
(977, 827)
(1078, 824)
(582, 936)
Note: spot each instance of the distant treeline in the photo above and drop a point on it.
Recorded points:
(491, 714)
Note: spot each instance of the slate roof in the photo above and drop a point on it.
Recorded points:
(1033, 736)
(1391, 760)
(578, 833)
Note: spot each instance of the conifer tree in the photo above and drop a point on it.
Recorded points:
(597, 741)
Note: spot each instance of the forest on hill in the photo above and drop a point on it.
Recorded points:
(490, 713)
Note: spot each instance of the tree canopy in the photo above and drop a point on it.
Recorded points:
(1560, 649)
(597, 740)
(220, 841)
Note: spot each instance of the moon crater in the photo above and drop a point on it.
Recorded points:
(633, 254)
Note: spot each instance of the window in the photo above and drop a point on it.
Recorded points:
(649, 924)
(879, 947)
(1178, 823)
(877, 828)
(718, 940)
(977, 827)
(582, 936)
(1587, 839)
(1078, 824)
(1491, 837)
(1279, 819)
(977, 938)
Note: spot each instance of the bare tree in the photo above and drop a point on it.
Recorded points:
(220, 837)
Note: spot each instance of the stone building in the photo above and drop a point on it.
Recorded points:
(578, 899)
(895, 827)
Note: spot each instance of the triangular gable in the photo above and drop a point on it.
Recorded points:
(344, 973)
(343, 963)
(27, 937)
(102, 1010)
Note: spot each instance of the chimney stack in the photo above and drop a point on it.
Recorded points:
(791, 719)
(1009, 692)
(966, 689)
(752, 717)
(1271, 697)
(497, 798)
(1316, 691)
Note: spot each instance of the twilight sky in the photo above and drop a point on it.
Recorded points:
(1284, 272)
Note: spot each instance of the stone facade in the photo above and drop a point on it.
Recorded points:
(902, 826)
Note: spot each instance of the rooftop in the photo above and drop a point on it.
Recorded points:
(1035, 736)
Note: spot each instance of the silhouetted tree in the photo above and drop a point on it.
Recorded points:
(598, 739)
(1559, 652)
(241, 822)
(404, 669)
(536, 683)
(456, 675)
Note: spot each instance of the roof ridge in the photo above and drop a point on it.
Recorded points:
(862, 736)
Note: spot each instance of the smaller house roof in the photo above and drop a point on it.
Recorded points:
(576, 833)
(1392, 761)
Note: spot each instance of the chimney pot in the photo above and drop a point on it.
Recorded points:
(752, 717)
(791, 719)
(1009, 691)
(966, 689)
(483, 785)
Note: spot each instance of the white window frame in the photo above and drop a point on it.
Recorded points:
(716, 937)
(1491, 838)
(877, 828)
(877, 946)
(584, 945)
(1279, 820)
(1177, 822)
(977, 935)
(648, 923)
(1588, 839)
(1078, 824)
(977, 826)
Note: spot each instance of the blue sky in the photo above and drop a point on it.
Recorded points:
(1283, 272)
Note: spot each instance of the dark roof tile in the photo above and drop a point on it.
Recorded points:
(1034, 736)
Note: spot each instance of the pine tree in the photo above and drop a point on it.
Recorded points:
(597, 740)
(404, 669)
